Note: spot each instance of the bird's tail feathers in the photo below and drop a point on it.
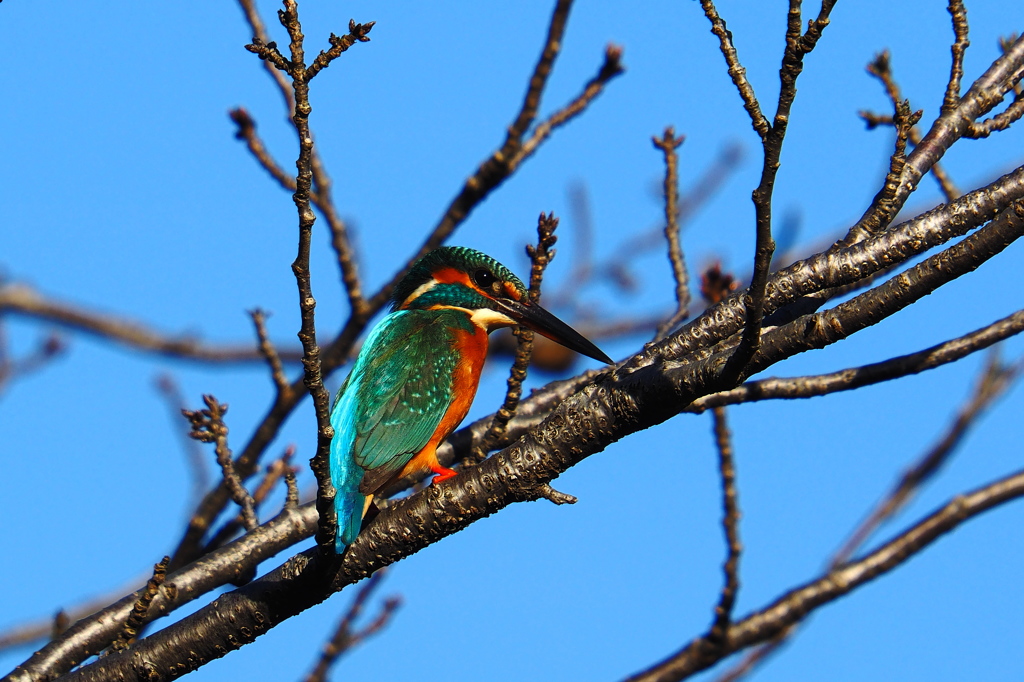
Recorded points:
(350, 507)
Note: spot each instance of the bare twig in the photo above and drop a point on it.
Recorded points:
(668, 144)
(958, 13)
(47, 350)
(247, 133)
(295, 67)
(171, 393)
(797, 604)
(277, 470)
(140, 612)
(344, 638)
(208, 427)
(855, 377)
(993, 381)
(269, 352)
(16, 299)
(540, 257)
(730, 525)
(506, 160)
(881, 68)
(320, 194)
(736, 70)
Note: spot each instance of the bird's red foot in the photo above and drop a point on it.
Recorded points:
(442, 474)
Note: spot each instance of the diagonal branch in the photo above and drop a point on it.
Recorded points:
(856, 377)
(797, 604)
(16, 299)
(585, 423)
(496, 169)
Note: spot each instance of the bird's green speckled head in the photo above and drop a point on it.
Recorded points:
(471, 277)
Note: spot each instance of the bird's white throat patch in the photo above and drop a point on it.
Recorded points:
(488, 319)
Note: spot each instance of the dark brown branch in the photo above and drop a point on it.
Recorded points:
(881, 68)
(312, 375)
(736, 70)
(506, 160)
(91, 635)
(958, 13)
(798, 603)
(668, 144)
(320, 195)
(259, 320)
(856, 377)
(140, 612)
(730, 526)
(208, 427)
(357, 33)
(994, 380)
(344, 638)
(797, 46)
(48, 628)
(16, 299)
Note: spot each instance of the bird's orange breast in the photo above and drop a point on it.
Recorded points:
(471, 347)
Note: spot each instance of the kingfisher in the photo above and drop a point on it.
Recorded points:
(418, 370)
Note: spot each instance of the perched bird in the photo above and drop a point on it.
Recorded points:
(418, 371)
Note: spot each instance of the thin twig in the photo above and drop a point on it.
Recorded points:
(175, 401)
(856, 377)
(295, 67)
(993, 381)
(730, 525)
(269, 352)
(344, 638)
(48, 349)
(320, 194)
(881, 68)
(18, 299)
(140, 612)
(737, 73)
(958, 13)
(505, 161)
(275, 471)
(208, 427)
(540, 257)
(668, 144)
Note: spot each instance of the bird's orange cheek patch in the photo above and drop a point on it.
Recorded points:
(512, 292)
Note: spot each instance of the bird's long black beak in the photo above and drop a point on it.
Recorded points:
(541, 321)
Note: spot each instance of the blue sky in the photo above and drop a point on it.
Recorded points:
(123, 189)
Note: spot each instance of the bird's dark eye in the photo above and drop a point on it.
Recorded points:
(484, 278)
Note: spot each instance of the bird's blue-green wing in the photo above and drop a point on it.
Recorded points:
(389, 407)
